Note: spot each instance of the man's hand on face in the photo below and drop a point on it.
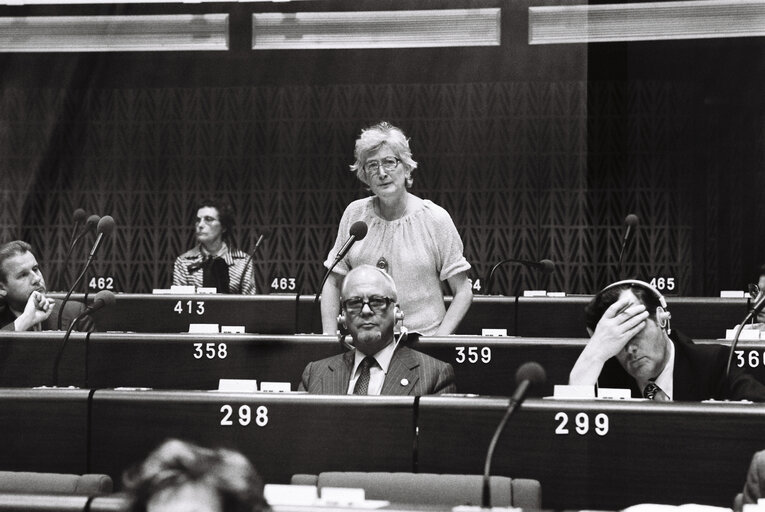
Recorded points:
(619, 324)
(37, 310)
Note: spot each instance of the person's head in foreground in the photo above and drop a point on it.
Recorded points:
(180, 476)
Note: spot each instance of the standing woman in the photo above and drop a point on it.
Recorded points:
(412, 239)
(215, 262)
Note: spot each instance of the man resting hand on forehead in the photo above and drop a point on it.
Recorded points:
(632, 346)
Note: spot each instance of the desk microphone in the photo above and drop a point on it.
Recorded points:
(755, 310)
(529, 374)
(102, 299)
(357, 232)
(104, 229)
(544, 266)
(263, 235)
(631, 221)
(90, 225)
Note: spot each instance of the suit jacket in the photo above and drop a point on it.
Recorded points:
(699, 374)
(754, 489)
(425, 375)
(71, 310)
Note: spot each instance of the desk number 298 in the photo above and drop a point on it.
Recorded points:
(244, 415)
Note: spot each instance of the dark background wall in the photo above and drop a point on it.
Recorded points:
(536, 151)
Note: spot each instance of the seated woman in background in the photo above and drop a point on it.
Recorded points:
(412, 239)
(180, 476)
(215, 262)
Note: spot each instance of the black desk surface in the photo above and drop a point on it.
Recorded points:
(44, 430)
(698, 317)
(651, 452)
(281, 434)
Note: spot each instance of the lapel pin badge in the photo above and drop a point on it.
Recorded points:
(404, 382)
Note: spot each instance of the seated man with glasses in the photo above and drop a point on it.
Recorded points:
(378, 364)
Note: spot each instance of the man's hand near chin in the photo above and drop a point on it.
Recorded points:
(38, 309)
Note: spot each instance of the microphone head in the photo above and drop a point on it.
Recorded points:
(92, 222)
(359, 230)
(106, 225)
(105, 296)
(532, 372)
(631, 220)
(79, 215)
(548, 267)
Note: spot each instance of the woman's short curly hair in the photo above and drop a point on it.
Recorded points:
(372, 139)
(176, 463)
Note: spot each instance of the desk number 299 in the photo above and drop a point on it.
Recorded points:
(582, 423)
(244, 415)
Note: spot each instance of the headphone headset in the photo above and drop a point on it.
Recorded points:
(663, 316)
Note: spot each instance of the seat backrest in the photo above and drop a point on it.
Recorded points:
(431, 488)
(54, 483)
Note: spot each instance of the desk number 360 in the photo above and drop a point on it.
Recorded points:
(245, 415)
(582, 422)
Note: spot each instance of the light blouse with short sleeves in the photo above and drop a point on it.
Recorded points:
(419, 250)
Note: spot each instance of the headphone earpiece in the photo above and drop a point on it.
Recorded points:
(398, 316)
(663, 317)
(341, 320)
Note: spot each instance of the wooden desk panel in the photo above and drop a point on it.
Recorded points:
(26, 359)
(269, 314)
(652, 451)
(303, 433)
(697, 317)
(44, 430)
(188, 361)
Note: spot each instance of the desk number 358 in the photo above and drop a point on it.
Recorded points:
(244, 415)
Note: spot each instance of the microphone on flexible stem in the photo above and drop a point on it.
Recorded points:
(90, 225)
(102, 299)
(631, 221)
(263, 235)
(104, 229)
(758, 306)
(357, 232)
(545, 266)
(528, 375)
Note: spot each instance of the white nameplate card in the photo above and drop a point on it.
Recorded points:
(204, 328)
(232, 329)
(341, 496)
(535, 293)
(238, 385)
(556, 295)
(732, 294)
(206, 291)
(183, 290)
(493, 332)
(275, 387)
(161, 291)
(564, 391)
(280, 494)
(746, 334)
(614, 394)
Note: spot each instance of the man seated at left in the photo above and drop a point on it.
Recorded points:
(23, 304)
